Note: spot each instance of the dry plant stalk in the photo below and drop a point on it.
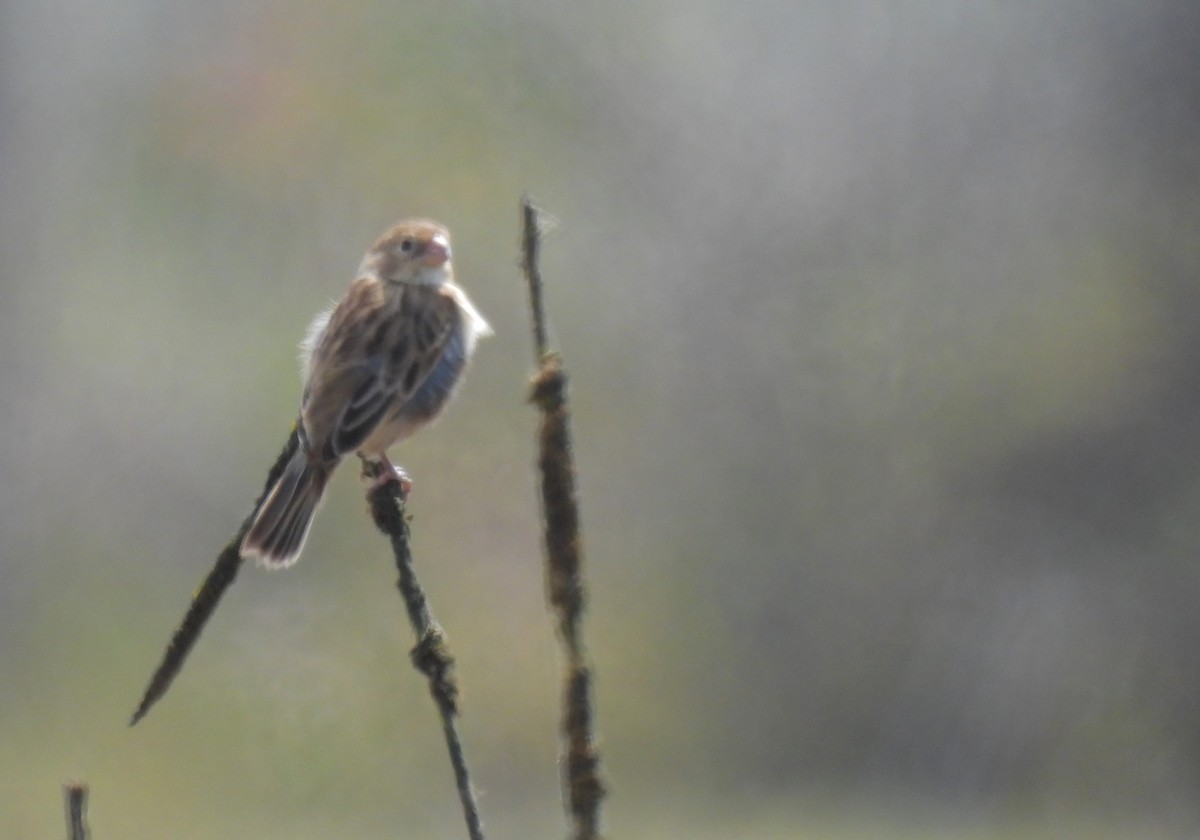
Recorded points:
(430, 656)
(204, 602)
(582, 788)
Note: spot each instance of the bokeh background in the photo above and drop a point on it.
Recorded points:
(882, 320)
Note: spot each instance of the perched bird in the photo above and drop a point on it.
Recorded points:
(377, 366)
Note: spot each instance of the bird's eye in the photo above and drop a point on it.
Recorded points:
(407, 245)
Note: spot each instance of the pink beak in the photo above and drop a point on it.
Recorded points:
(437, 252)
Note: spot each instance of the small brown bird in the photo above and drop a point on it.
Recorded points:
(379, 365)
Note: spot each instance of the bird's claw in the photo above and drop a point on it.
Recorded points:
(382, 473)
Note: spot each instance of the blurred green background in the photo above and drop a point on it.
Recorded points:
(882, 326)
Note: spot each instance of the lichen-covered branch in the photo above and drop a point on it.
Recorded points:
(431, 656)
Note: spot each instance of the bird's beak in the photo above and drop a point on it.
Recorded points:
(437, 252)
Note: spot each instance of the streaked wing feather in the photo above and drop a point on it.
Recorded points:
(364, 411)
(431, 326)
(372, 387)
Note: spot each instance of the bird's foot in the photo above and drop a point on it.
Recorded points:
(382, 472)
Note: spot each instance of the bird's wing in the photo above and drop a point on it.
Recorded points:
(377, 350)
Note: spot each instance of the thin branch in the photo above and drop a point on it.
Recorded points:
(205, 601)
(431, 656)
(531, 235)
(76, 796)
(583, 788)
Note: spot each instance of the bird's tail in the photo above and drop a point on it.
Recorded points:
(282, 521)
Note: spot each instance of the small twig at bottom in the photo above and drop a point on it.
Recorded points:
(76, 795)
(431, 656)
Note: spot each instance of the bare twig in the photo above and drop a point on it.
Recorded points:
(583, 789)
(205, 601)
(431, 656)
(76, 796)
(530, 243)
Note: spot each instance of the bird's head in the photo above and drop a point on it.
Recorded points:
(415, 251)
